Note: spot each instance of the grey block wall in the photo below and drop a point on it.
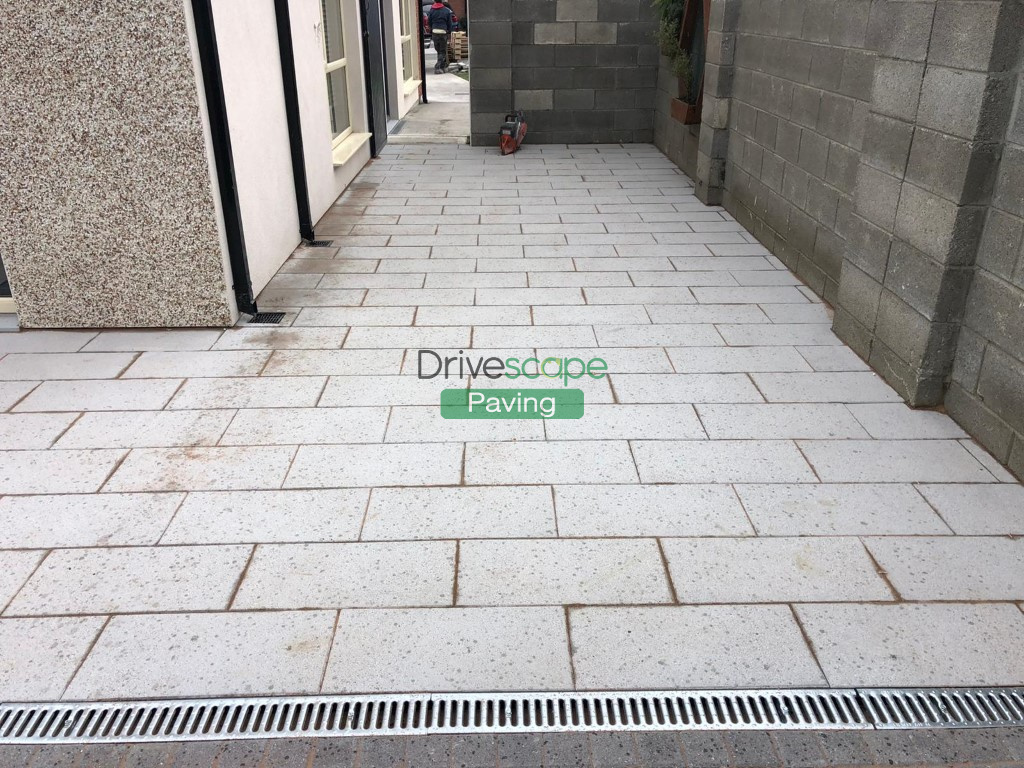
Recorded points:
(875, 146)
(987, 391)
(940, 101)
(801, 76)
(583, 71)
(676, 140)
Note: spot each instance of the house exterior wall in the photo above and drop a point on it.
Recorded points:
(250, 65)
(110, 211)
(873, 147)
(583, 71)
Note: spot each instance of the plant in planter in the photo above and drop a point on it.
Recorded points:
(675, 30)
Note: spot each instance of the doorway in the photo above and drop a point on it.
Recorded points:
(443, 116)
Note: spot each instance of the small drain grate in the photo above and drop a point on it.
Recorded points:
(320, 243)
(944, 708)
(266, 318)
(412, 714)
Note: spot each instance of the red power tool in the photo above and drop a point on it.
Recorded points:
(512, 132)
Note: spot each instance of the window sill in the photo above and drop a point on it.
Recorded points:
(352, 144)
(410, 86)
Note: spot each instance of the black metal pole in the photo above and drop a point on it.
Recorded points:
(423, 53)
(291, 108)
(213, 85)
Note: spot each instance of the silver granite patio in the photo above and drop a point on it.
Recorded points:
(283, 509)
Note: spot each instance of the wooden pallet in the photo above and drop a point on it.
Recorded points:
(458, 46)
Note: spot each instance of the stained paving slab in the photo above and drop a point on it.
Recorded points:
(269, 510)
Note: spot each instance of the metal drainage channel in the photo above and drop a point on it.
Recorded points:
(454, 713)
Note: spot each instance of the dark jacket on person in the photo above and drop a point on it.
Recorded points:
(440, 17)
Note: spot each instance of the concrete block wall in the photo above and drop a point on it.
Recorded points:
(875, 146)
(798, 77)
(941, 96)
(676, 140)
(583, 71)
(987, 390)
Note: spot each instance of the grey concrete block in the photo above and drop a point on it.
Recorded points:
(618, 10)
(964, 34)
(531, 55)
(766, 130)
(787, 141)
(538, 11)
(877, 195)
(945, 231)
(901, 29)
(576, 10)
(966, 104)
(598, 77)
(498, 10)
(1001, 243)
(522, 33)
(836, 119)
(868, 245)
(492, 55)
(531, 100)
(989, 429)
(970, 349)
(850, 23)
(897, 87)
(1009, 192)
(826, 68)
(813, 156)
(818, 18)
(491, 78)
(492, 33)
(937, 291)
(995, 308)
(1001, 387)
(576, 98)
(596, 32)
(887, 143)
(823, 205)
(794, 185)
(636, 32)
(966, 174)
(806, 106)
(858, 74)
(553, 33)
(925, 347)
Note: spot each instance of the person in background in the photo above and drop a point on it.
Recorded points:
(439, 21)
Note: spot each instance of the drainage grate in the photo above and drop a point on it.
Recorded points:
(319, 243)
(266, 318)
(944, 708)
(415, 714)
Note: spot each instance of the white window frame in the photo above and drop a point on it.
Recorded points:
(349, 12)
(407, 26)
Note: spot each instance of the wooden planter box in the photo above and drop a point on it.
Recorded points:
(685, 113)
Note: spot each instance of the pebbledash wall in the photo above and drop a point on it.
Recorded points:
(875, 146)
(584, 71)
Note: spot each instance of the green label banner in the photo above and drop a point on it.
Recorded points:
(512, 403)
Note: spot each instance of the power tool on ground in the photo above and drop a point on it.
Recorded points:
(512, 132)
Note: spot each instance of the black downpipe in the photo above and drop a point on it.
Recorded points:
(213, 84)
(291, 107)
(423, 55)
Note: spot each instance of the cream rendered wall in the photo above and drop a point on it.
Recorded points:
(254, 93)
(325, 179)
(402, 96)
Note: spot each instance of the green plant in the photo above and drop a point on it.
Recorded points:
(670, 13)
(682, 68)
